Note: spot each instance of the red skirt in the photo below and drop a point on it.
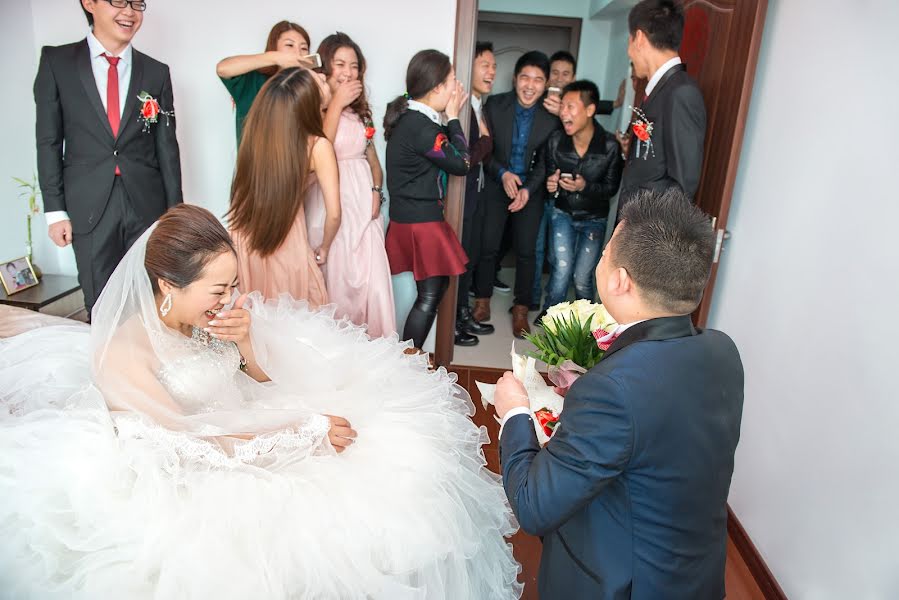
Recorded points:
(427, 249)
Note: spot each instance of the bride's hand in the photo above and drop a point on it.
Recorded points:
(341, 435)
(232, 325)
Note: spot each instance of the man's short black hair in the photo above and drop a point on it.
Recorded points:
(87, 15)
(534, 58)
(666, 244)
(567, 57)
(586, 88)
(661, 20)
(482, 47)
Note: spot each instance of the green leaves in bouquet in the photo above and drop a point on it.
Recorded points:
(571, 340)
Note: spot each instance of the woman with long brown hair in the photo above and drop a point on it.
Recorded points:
(287, 46)
(357, 273)
(283, 151)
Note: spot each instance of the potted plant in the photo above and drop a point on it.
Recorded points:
(31, 190)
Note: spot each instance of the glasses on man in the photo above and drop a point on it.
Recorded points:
(138, 5)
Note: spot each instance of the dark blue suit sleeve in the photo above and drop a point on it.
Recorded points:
(592, 446)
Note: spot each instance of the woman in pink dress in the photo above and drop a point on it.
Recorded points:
(357, 273)
(282, 153)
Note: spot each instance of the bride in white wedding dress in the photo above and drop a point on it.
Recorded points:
(145, 457)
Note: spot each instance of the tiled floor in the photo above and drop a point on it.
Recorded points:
(493, 350)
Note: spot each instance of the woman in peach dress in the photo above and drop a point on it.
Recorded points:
(282, 152)
(357, 273)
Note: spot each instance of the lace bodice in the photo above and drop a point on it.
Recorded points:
(201, 376)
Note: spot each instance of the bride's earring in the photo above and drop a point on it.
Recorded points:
(166, 305)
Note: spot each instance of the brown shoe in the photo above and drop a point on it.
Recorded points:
(481, 312)
(520, 320)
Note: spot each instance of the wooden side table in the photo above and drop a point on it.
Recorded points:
(58, 295)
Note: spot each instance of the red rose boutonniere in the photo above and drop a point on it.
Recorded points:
(370, 132)
(150, 111)
(642, 128)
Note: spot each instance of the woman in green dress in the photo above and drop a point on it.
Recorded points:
(244, 75)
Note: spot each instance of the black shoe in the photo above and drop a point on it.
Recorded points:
(464, 338)
(465, 322)
(538, 321)
(501, 287)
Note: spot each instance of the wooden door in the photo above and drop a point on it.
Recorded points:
(720, 48)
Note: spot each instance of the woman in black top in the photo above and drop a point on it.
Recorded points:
(421, 152)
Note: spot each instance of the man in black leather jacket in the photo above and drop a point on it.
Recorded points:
(582, 165)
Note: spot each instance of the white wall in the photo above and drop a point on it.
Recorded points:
(191, 37)
(594, 33)
(808, 290)
(17, 150)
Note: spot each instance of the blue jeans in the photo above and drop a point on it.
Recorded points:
(541, 247)
(575, 248)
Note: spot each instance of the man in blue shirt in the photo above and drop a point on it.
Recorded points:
(521, 125)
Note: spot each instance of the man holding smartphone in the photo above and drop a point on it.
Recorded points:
(581, 165)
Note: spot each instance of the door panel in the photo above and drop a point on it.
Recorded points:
(720, 48)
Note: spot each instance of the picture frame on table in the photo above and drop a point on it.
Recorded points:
(17, 275)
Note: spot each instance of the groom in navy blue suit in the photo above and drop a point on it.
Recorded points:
(630, 495)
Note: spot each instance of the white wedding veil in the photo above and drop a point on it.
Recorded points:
(133, 355)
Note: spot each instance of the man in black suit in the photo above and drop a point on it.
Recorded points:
(672, 155)
(105, 173)
(630, 494)
(520, 127)
(480, 145)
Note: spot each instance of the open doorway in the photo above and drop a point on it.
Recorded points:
(720, 49)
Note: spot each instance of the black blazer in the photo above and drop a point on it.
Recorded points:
(76, 152)
(600, 167)
(677, 111)
(500, 110)
(631, 492)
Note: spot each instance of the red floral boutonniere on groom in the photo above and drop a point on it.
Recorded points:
(150, 111)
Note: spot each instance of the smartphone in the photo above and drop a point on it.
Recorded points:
(315, 59)
(554, 91)
(566, 176)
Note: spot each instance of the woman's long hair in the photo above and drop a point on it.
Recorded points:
(326, 49)
(273, 159)
(427, 70)
(272, 42)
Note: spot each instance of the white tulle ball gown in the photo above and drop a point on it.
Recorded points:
(116, 484)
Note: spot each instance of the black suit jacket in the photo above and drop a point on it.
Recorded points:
(631, 492)
(500, 110)
(76, 151)
(677, 111)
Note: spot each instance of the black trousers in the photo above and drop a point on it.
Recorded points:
(525, 224)
(472, 232)
(424, 311)
(98, 253)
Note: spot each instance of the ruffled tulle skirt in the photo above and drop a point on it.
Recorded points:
(409, 511)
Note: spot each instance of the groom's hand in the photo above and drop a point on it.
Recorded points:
(509, 394)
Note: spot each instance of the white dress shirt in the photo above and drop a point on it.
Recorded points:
(477, 105)
(100, 68)
(654, 80)
(523, 410)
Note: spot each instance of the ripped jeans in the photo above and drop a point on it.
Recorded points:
(575, 248)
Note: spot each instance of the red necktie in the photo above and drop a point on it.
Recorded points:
(112, 97)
